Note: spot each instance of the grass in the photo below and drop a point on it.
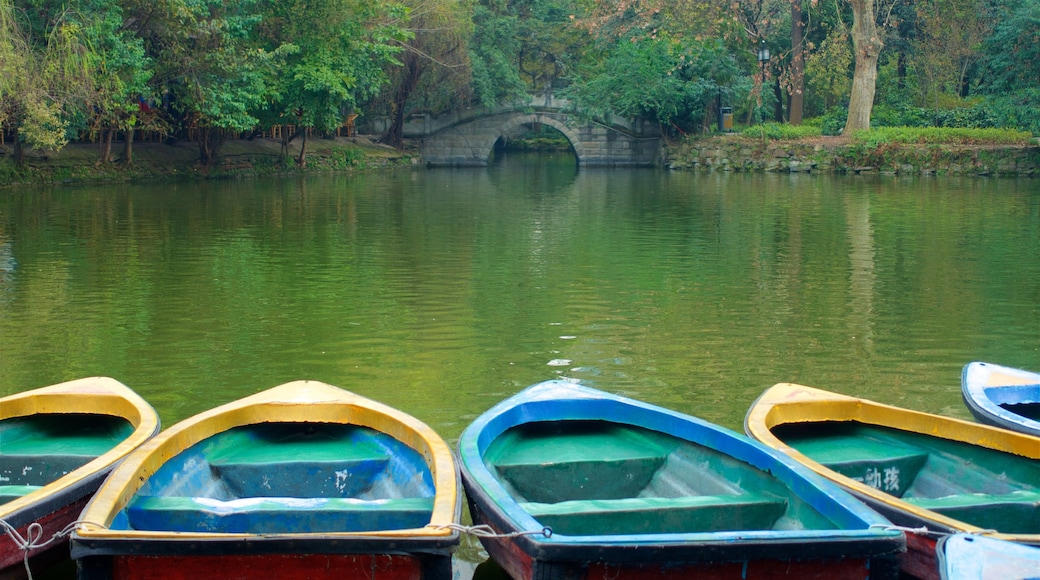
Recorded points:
(940, 136)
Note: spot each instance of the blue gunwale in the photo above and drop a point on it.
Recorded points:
(562, 400)
(986, 387)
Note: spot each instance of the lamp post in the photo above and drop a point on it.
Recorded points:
(763, 58)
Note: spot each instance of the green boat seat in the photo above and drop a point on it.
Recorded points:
(13, 492)
(654, 515)
(39, 449)
(587, 463)
(884, 464)
(312, 468)
(40, 468)
(1016, 512)
(270, 515)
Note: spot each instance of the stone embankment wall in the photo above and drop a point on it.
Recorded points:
(834, 155)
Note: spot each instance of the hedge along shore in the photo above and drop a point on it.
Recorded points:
(839, 155)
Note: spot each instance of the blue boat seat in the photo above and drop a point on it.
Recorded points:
(1015, 512)
(271, 515)
(317, 469)
(13, 492)
(651, 515)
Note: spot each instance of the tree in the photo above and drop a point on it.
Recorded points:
(797, 62)
(45, 72)
(327, 56)
(435, 67)
(866, 48)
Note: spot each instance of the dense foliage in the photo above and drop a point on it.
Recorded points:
(206, 69)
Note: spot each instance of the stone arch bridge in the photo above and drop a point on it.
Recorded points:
(468, 138)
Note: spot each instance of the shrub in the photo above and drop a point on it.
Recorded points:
(781, 131)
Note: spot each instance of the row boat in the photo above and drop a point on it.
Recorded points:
(58, 445)
(303, 480)
(570, 482)
(1002, 396)
(932, 474)
(974, 557)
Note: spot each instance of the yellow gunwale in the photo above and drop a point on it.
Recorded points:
(787, 403)
(91, 395)
(297, 401)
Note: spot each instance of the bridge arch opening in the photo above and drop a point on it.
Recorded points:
(533, 140)
(522, 123)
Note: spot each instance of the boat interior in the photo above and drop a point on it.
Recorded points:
(39, 449)
(597, 478)
(983, 487)
(286, 478)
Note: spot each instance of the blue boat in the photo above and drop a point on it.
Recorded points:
(975, 557)
(566, 481)
(304, 480)
(1003, 396)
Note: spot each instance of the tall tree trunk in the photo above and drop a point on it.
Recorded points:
(797, 63)
(866, 43)
(409, 80)
(303, 149)
(210, 140)
(19, 151)
(128, 147)
(105, 155)
(778, 101)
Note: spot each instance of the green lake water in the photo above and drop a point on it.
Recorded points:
(442, 291)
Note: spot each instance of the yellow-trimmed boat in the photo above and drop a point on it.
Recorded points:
(57, 444)
(303, 480)
(921, 471)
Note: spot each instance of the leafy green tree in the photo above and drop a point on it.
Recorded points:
(208, 66)
(1011, 54)
(44, 64)
(330, 55)
(672, 82)
(121, 71)
(435, 74)
(494, 55)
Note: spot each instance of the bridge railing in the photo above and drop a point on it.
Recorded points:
(423, 124)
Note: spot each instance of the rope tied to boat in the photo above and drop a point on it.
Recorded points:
(486, 531)
(923, 530)
(33, 536)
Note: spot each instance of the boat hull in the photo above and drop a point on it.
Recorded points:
(94, 405)
(708, 561)
(527, 547)
(303, 480)
(1002, 396)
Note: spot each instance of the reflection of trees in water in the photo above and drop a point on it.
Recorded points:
(537, 175)
(7, 261)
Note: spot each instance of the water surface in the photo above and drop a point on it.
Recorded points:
(443, 291)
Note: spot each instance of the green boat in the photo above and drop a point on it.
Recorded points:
(931, 474)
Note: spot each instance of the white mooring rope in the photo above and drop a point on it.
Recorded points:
(486, 531)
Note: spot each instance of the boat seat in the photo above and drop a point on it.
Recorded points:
(651, 515)
(313, 469)
(13, 492)
(1015, 512)
(887, 465)
(590, 462)
(270, 515)
(22, 467)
